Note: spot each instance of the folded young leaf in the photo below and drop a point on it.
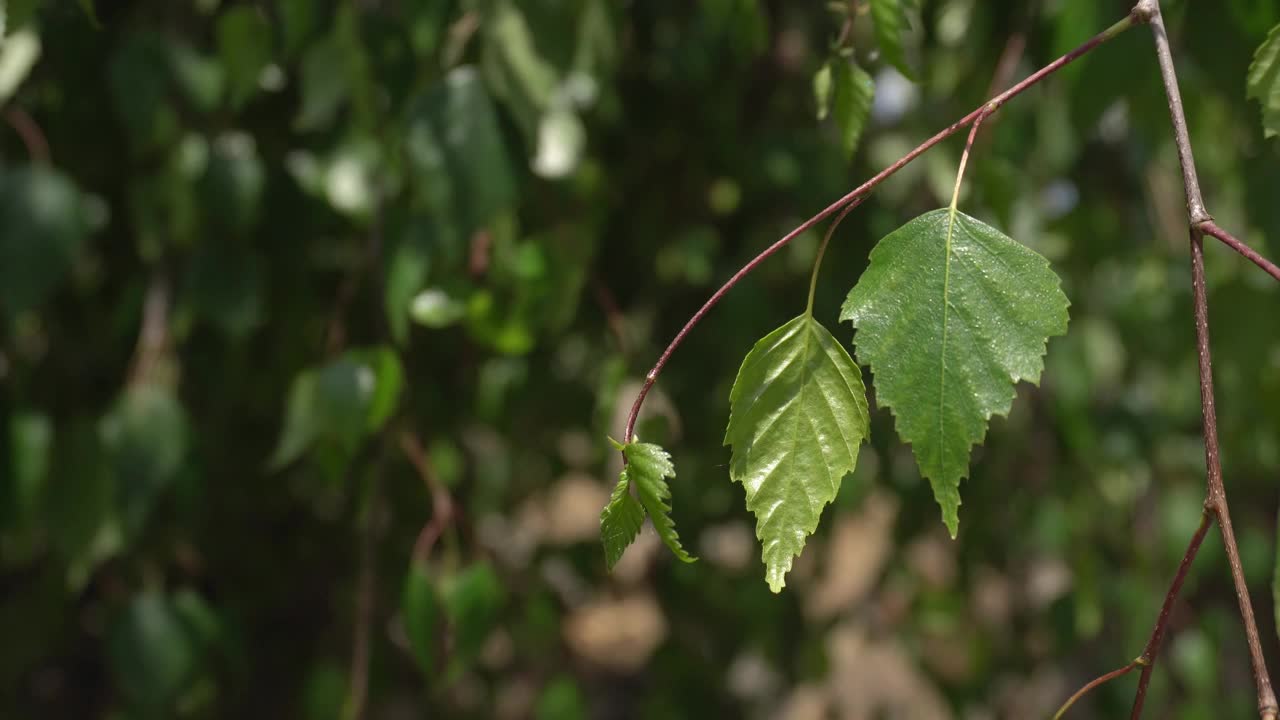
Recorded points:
(798, 414)
(951, 314)
(647, 467)
(620, 522)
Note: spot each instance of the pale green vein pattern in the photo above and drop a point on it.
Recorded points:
(798, 414)
(890, 19)
(950, 318)
(1264, 81)
(647, 467)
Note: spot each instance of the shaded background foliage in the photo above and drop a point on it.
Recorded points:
(251, 252)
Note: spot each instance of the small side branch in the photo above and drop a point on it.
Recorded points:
(1208, 227)
(1152, 650)
(1094, 683)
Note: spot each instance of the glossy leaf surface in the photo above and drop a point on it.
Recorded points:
(798, 414)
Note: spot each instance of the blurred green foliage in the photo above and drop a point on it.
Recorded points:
(247, 249)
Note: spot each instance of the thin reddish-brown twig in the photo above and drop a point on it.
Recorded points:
(986, 108)
(1094, 683)
(1208, 227)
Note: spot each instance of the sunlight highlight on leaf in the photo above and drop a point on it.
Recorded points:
(798, 417)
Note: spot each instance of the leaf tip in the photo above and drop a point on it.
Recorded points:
(952, 521)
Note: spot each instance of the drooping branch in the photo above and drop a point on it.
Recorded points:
(1134, 17)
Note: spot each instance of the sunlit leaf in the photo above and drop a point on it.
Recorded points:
(798, 415)
(951, 314)
(1264, 81)
(18, 53)
(822, 90)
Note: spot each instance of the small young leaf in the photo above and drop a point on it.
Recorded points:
(1264, 81)
(647, 465)
(951, 314)
(798, 414)
(890, 20)
(854, 91)
(822, 90)
(620, 522)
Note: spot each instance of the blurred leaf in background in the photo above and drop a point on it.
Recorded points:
(315, 318)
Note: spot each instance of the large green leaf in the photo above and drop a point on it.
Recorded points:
(1264, 81)
(890, 19)
(951, 314)
(648, 466)
(798, 414)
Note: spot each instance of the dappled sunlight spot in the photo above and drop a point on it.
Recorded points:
(572, 509)
(1047, 580)
(729, 545)
(806, 702)
(751, 677)
(619, 635)
(854, 558)
(873, 678)
(932, 557)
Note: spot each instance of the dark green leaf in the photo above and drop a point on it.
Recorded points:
(42, 226)
(31, 445)
(472, 601)
(421, 610)
(244, 45)
(951, 314)
(153, 655)
(145, 436)
(456, 152)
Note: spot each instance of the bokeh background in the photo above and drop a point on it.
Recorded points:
(283, 282)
